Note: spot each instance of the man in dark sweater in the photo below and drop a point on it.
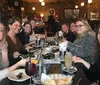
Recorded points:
(68, 34)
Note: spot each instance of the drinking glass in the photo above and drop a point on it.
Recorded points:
(68, 61)
(40, 69)
(38, 42)
(37, 36)
(30, 69)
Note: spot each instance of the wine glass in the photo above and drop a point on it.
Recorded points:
(40, 68)
(30, 69)
(36, 36)
(68, 61)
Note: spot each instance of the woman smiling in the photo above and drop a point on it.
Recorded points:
(84, 45)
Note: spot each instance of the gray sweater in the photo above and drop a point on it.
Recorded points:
(83, 47)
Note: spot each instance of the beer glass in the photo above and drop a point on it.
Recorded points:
(68, 61)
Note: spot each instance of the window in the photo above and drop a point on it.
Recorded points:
(71, 13)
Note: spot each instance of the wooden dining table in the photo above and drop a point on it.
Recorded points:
(78, 79)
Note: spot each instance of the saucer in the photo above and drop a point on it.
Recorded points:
(71, 70)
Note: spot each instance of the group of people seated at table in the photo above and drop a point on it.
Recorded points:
(11, 47)
(83, 46)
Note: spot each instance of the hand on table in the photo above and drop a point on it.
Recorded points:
(80, 60)
(77, 59)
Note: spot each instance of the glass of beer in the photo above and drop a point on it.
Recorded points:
(68, 61)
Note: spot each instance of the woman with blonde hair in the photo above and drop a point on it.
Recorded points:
(84, 45)
(88, 27)
(93, 70)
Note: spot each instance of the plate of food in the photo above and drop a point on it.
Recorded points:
(59, 79)
(18, 75)
(48, 57)
(71, 70)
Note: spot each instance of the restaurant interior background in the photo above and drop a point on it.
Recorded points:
(62, 10)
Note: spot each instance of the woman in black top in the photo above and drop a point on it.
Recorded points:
(25, 33)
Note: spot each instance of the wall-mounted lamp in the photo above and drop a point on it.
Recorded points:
(42, 15)
(22, 8)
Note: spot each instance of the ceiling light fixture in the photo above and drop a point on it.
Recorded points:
(82, 4)
(76, 6)
(40, 0)
(42, 3)
(33, 8)
(89, 1)
(42, 15)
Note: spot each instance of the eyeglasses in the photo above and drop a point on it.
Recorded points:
(79, 26)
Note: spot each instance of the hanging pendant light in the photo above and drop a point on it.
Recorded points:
(42, 3)
(40, 0)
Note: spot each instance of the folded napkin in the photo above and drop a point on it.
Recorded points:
(62, 46)
(60, 33)
(44, 77)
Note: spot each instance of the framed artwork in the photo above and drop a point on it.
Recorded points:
(94, 15)
(71, 13)
(16, 3)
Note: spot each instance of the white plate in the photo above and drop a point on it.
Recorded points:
(72, 70)
(48, 60)
(37, 46)
(13, 75)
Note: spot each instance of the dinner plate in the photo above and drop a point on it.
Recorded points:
(48, 57)
(36, 46)
(48, 60)
(72, 70)
(14, 75)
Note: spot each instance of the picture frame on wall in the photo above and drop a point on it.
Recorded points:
(16, 3)
(71, 13)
